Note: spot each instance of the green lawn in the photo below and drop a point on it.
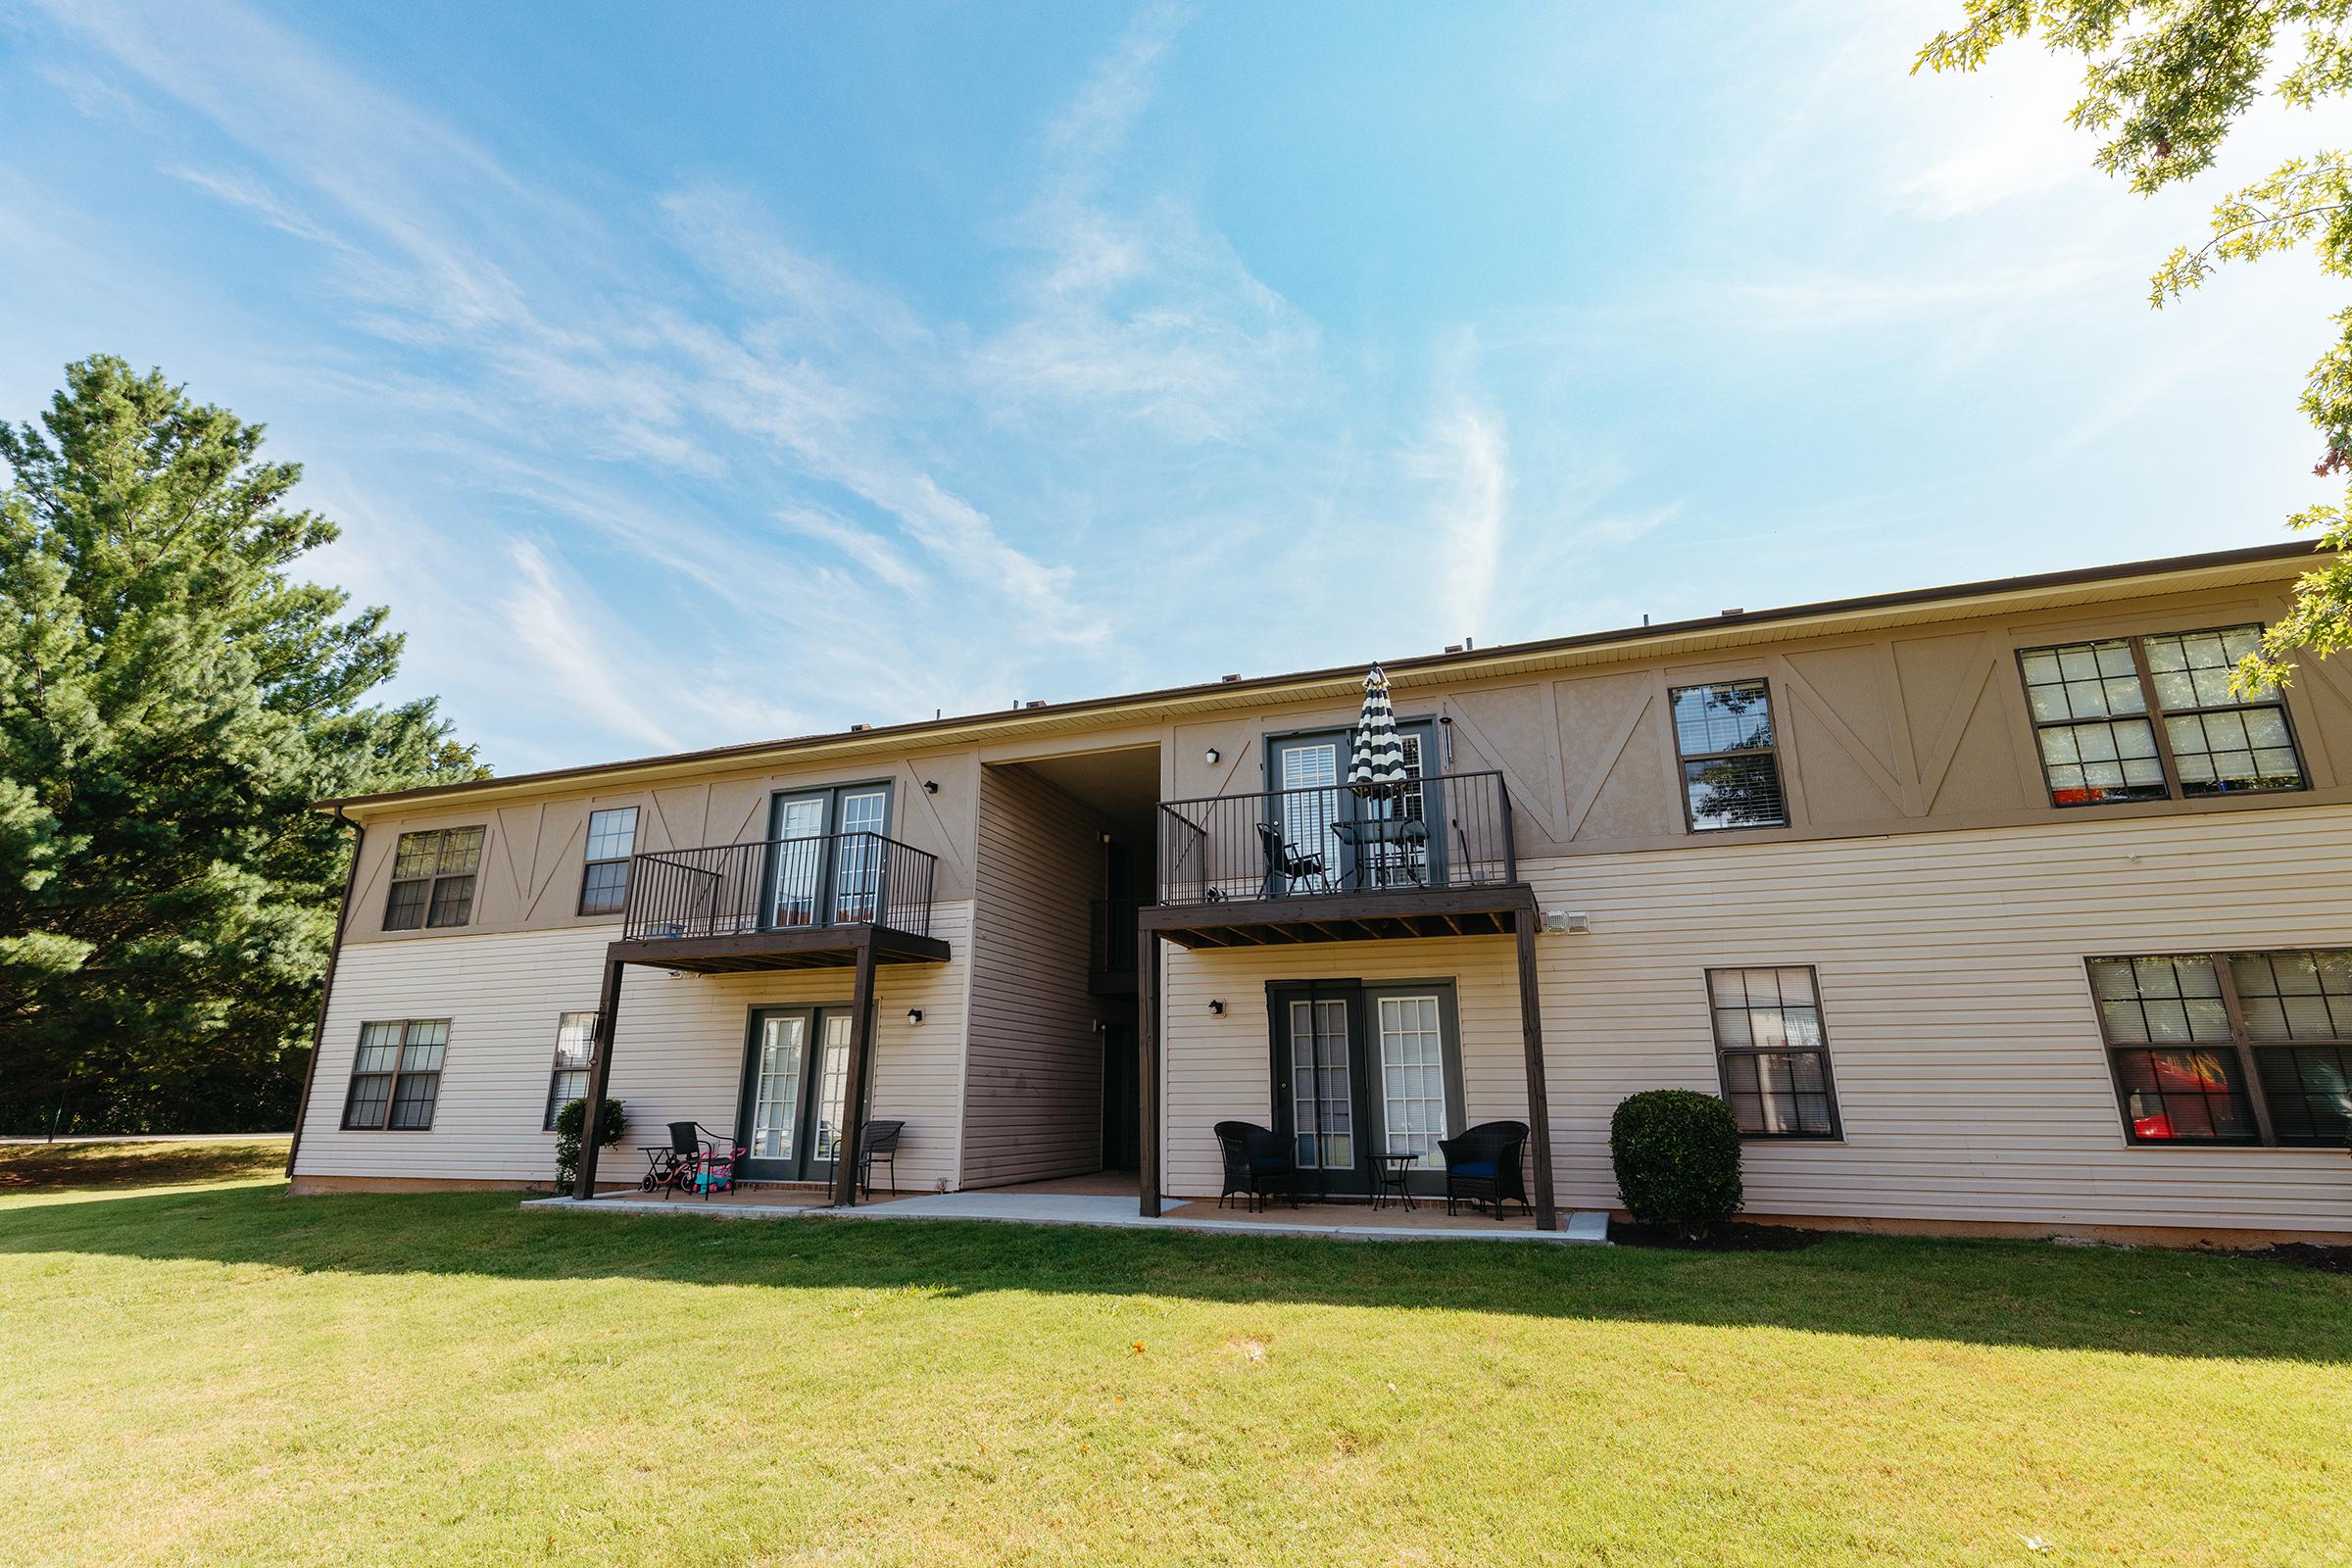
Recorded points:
(224, 1374)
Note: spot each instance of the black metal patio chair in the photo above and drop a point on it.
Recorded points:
(697, 1160)
(1258, 1164)
(1482, 1166)
(878, 1141)
(1287, 864)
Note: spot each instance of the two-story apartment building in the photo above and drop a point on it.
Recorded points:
(1985, 906)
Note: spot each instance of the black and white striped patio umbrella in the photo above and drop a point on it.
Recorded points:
(1376, 762)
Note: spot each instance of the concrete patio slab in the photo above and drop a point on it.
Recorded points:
(1108, 1212)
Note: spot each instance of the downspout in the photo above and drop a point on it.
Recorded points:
(326, 989)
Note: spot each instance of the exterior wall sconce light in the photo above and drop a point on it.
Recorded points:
(915, 1016)
(1216, 1009)
(930, 786)
(1212, 754)
(1101, 1027)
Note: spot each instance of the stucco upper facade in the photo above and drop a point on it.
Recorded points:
(1907, 717)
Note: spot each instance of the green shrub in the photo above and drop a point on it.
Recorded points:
(1677, 1155)
(568, 1122)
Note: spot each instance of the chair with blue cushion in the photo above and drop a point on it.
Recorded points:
(1482, 1166)
(1258, 1164)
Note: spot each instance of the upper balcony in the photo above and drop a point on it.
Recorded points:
(1330, 864)
(780, 904)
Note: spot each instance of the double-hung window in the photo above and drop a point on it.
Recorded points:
(2152, 719)
(612, 840)
(576, 1054)
(1731, 769)
(2230, 1048)
(432, 879)
(1772, 1051)
(396, 1075)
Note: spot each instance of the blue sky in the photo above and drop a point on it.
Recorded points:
(692, 374)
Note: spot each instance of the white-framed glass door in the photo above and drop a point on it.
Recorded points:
(832, 1089)
(1306, 775)
(1409, 1041)
(858, 868)
(776, 1087)
(798, 875)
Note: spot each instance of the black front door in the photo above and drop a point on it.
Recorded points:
(795, 1072)
(1122, 1127)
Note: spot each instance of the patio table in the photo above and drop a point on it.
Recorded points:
(1389, 1173)
(1385, 847)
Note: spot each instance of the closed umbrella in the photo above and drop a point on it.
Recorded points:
(1376, 762)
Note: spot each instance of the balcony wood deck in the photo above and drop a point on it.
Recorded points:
(1299, 917)
(823, 946)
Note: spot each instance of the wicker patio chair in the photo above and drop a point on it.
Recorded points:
(1258, 1164)
(1482, 1166)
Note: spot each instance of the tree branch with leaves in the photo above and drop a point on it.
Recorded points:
(2165, 81)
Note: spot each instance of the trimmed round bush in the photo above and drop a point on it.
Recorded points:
(1677, 1155)
(571, 1121)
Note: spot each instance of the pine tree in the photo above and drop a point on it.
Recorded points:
(172, 704)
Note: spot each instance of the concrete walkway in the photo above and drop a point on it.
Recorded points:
(1586, 1228)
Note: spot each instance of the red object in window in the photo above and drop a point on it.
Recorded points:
(2156, 1126)
(2081, 797)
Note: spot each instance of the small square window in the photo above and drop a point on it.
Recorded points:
(605, 880)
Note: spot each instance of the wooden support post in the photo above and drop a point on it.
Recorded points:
(853, 1089)
(1538, 1099)
(1147, 1072)
(600, 1075)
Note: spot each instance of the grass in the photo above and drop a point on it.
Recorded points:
(226, 1375)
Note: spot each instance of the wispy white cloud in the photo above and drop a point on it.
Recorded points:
(552, 621)
(1463, 463)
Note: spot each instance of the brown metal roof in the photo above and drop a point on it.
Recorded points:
(1754, 625)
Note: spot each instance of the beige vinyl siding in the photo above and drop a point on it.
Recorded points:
(1033, 1096)
(679, 1052)
(1972, 1082)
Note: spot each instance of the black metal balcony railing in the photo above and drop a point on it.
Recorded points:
(1448, 830)
(725, 890)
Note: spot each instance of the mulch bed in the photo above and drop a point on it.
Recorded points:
(1733, 1238)
(2310, 1255)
